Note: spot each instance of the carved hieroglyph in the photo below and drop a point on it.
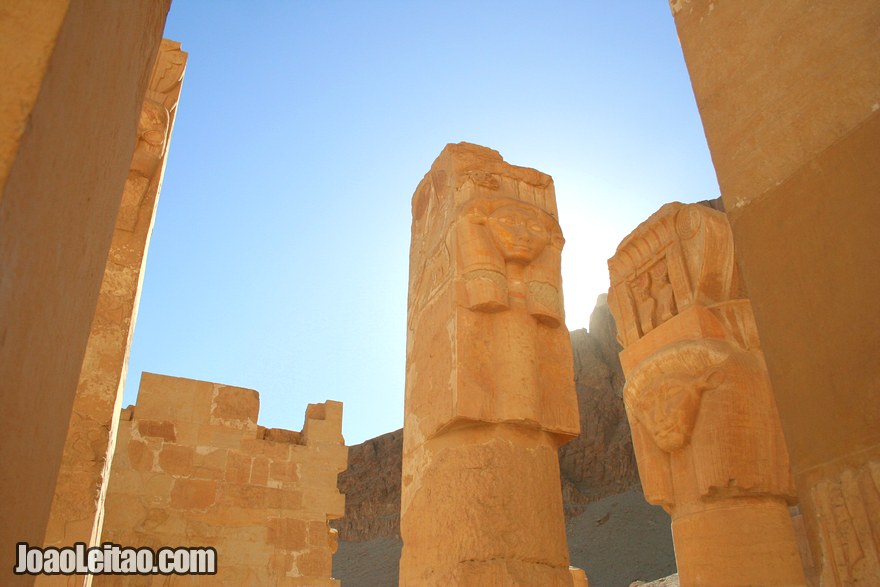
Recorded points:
(79, 494)
(704, 422)
(850, 529)
(490, 387)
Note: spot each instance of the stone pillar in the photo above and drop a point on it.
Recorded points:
(88, 451)
(489, 378)
(74, 77)
(704, 422)
(789, 96)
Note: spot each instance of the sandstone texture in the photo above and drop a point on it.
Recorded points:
(612, 533)
(192, 467)
(598, 463)
(490, 392)
(75, 74)
(789, 96)
(616, 540)
(371, 486)
(91, 436)
(670, 581)
(704, 422)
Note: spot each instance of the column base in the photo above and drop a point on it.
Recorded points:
(738, 543)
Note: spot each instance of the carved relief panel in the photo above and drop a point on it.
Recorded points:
(681, 256)
(154, 128)
(705, 428)
(485, 270)
(509, 257)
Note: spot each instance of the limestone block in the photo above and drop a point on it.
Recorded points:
(261, 497)
(238, 469)
(209, 463)
(176, 460)
(260, 471)
(235, 407)
(705, 427)
(193, 494)
(276, 450)
(175, 399)
(164, 430)
(489, 385)
(220, 436)
(323, 424)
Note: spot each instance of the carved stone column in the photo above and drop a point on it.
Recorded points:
(705, 427)
(489, 384)
(77, 506)
(789, 97)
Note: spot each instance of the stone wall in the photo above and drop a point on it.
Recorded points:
(193, 468)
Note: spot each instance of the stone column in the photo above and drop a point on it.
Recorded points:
(704, 422)
(76, 514)
(789, 96)
(74, 77)
(489, 383)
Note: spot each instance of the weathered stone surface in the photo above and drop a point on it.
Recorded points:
(74, 80)
(262, 498)
(371, 486)
(489, 386)
(616, 540)
(704, 422)
(599, 462)
(82, 479)
(789, 96)
(670, 581)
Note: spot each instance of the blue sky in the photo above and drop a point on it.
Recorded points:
(279, 257)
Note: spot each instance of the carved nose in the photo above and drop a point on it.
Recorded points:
(521, 234)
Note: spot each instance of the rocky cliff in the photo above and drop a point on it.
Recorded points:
(600, 462)
(371, 485)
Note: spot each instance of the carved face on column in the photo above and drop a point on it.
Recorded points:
(669, 412)
(668, 408)
(518, 233)
(152, 137)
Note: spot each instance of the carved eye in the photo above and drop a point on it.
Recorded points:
(508, 220)
(536, 228)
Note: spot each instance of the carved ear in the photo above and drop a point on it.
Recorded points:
(712, 380)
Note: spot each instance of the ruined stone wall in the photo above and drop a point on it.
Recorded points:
(193, 468)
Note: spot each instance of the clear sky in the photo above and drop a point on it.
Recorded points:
(279, 257)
